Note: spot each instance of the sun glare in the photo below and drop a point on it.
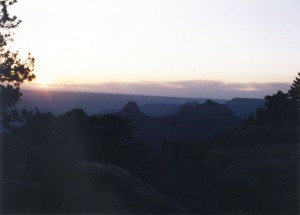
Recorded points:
(44, 82)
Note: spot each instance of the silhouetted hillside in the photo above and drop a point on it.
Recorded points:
(92, 103)
(131, 109)
(192, 123)
(243, 107)
(101, 103)
(208, 108)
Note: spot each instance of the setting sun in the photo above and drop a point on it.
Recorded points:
(44, 81)
(150, 107)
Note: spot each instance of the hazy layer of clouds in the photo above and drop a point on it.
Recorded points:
(197, 89)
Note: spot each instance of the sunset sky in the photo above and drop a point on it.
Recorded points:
(165, 47)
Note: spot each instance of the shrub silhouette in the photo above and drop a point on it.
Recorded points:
(118, 143)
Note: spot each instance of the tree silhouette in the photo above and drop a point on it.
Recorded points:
(118, 144)
(13, 70)
(294, 92)
(281, 108)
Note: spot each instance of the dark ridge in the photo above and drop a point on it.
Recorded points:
(78, 113)
(243, 107)
(207, 108)
(131, 108)
(237, 99)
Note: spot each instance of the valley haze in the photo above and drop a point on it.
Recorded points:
(59, 102)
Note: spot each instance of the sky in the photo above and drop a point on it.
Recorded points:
(189, 48)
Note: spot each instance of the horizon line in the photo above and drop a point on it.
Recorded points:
(176, 89)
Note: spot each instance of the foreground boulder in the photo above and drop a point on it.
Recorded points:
(104, 188)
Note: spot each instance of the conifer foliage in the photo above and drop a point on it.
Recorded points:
(282, 109)
(13, 70)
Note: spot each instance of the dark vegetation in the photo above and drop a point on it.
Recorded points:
(75, 163)
(14, 70)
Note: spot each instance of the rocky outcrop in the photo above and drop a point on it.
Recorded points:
(104, 188)
(90, 188)
(132, 111)
(207, 108)
(196, 122)
(131, 107)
